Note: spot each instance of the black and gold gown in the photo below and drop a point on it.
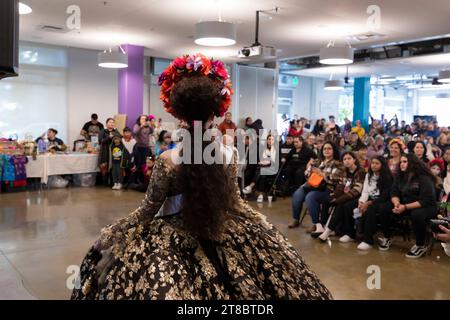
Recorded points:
(150, 255)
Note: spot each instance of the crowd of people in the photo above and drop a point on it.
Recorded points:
(351, 180)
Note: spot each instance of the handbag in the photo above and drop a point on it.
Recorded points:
(316, 182)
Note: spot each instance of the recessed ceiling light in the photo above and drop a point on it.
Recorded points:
(24, 8)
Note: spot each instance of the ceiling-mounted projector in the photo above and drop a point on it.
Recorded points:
(257, 50)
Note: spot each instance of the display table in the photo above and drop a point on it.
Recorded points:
(59, 164)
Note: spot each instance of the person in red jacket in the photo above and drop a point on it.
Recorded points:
(227, 124)
(296, 129)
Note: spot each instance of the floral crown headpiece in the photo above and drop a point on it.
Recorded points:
(399, 141)
(196, 64)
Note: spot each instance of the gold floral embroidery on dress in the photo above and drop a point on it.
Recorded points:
(157, 258)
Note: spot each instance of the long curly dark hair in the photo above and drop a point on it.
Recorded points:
(416, 168)
(209, 190)
(385, 176)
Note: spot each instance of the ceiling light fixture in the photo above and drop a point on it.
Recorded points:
(336, 55)
(24, 8)
(444, 76)
(113, 59)
(215, 33)
(334, 85)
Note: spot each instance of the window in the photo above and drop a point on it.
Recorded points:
(36, 100)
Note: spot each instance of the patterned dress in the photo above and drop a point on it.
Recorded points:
(151, 257)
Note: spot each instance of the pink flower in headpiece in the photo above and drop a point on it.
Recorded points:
(219, 69)
(180, 62)
(194, 62)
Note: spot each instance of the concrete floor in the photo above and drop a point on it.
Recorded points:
(43, 233)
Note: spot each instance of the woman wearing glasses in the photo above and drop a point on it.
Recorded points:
(332, 172)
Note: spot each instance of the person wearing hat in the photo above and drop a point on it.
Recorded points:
(91, 128)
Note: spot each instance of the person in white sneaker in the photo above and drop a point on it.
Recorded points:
(117, 153)
(331, 171)
(266, 171)
(375, 198)
(345, 198)
(413, 194)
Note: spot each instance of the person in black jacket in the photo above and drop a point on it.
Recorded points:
(296, 162)
(104, 160)
(375, 198)
(286, 147)
(412, 194)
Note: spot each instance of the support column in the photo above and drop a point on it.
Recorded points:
(361, 101)
(131, 84)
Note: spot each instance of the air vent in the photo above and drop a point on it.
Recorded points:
(48, 28)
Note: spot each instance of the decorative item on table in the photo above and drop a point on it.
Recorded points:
(29, 147)
(91, 149)
(11, 147)
(80, 145)
(94, 142)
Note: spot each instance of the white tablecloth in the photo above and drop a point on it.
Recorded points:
(58, 164)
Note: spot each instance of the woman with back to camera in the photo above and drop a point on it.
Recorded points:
(193, 237)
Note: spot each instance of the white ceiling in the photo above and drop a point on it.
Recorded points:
(165, 27)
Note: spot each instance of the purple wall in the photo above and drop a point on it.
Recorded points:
(131, 84)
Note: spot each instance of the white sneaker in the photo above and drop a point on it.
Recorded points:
(114, 186)
(364, 246)
(260, 198)
(345, 239)
(247, 190)
(446, 247)
(324, 236)
(119, 186)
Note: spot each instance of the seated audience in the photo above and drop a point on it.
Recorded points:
(345, 199)
(267, 171)
(420, 149)
(375, 198)
(296, 128)
(396, 148)
(296, 162)
(329, 171)
(413, 194)
(358, 129)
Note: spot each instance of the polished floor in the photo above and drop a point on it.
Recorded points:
(44, 234)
